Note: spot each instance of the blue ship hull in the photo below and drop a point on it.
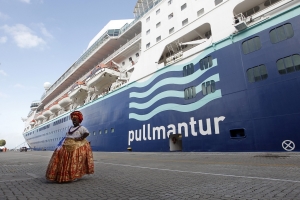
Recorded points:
(143, 116)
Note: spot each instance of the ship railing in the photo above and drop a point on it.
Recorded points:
(86, 54)
(136, 37)
(85, 76)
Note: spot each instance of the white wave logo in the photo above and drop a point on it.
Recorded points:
(175, 94)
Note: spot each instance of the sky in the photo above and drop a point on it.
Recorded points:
(39, 41)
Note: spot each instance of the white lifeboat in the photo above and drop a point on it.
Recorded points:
(40, 117)
(79, 90)
(65, 102)
(47, 113)
(55, 108)
(103, 78)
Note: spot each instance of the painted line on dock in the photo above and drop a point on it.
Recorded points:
(203, 173)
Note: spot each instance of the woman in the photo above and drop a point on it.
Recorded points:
(74, 158)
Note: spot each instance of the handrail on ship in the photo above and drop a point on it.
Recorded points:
(85, 76)
(92, 48)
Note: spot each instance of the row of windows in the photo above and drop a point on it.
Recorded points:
(170, 16)
(207, 88)
(61, 120)
(112, 130)
(284, 65)
(277, 34)
(44, 127)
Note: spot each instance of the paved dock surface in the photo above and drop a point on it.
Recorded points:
(179, 175)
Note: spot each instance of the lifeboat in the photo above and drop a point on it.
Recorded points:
(65, 102)
(79, 90)
(47, 113)
(55, 108)
(103, 77)
(32, 122)
(40, 117)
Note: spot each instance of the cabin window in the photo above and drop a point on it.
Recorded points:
(148, 45)
(170, 2)
(206, 63)
(158, 11)
(100, 132)
(189, 93)
(251, 45)
(105, 131)
(270, 2)
(123, 63)
(158, 38)
(257, 73)
(188, 69)
(147, 32)
(281, 33)
(251, 11)
(158, 25)
(137, 55)
(171, 30)
(185, 22)
(94, 132)
(170, 16)
(183, 7)
(208, 87)
(148, 19)
(112, 130)
(288, 64)
(130, 59)
(218, 2)
(200, 12)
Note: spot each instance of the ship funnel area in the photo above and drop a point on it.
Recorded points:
(173, 51)
(175, 142)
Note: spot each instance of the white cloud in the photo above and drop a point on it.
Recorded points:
(2, 95)
(25, 1)
(3, 16)
(23, 36)
(2, 72)
(44, 31)
(3, 40)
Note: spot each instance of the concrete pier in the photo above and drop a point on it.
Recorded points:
(180, 175)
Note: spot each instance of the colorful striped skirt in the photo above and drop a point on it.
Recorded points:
(73, 160)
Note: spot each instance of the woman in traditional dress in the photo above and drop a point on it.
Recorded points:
(74, 157)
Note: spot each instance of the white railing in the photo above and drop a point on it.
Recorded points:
(133, 40)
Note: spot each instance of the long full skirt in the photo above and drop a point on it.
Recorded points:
(73, 160)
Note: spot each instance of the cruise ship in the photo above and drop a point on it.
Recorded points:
(183, 75)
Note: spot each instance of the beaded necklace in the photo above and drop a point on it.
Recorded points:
(71, 132)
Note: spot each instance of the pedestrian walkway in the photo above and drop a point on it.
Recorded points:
(132, 175)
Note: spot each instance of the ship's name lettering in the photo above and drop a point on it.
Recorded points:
(159, 132)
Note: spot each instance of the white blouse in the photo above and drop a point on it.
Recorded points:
(78, 133)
